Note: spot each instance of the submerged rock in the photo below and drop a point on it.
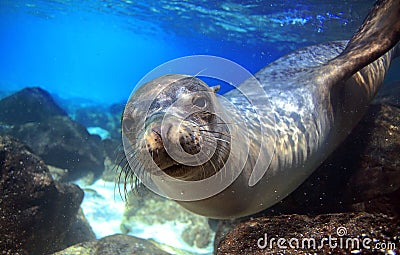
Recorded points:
(107, 118)
(29, 105)
(63, 143)
(115, 245)
(35, 119)
(79, 231)
(375, 182)
(35, 211)
(389, 94)
(343, 233)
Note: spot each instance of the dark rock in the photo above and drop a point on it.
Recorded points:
(223, 228)
(92, 116)
(71, 104)
(246, 236)
(377, 173)
(108, 118)
(35, 211)
(389, 94)
(63, 143)
(58, 174)
(115, 245)
(115, 159)
(38, 122)
(28, 105)
(196, 236)
(113, 149)
(4, 93)
(79, 231)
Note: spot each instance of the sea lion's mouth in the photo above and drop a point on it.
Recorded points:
(160, 156)
(174, 170)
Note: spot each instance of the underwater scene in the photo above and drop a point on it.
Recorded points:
(199, 127)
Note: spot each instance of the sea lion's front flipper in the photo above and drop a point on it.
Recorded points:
(379, 33)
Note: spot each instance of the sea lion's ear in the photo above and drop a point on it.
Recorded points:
(216, 88)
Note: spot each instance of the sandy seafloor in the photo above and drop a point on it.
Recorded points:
(104, 208)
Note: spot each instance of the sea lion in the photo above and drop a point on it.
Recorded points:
(178, 133)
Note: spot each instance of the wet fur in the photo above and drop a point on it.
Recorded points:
(317, 95)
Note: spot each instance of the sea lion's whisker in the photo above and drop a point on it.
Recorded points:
(135, 150)
(202, 165)
(197, 74)
(204, 172)
(131, 151)
(135, 178)
(123, 168)
(221, 161)
(222, 140)
(213, 138)
(215, 168)
(216, 132)
(218, 155)
(119, 187)
(140, 165)
(128, 176)
(216, 123)
(210, 139)
(223, 149)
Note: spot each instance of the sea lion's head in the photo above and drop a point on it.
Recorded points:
(172, 125)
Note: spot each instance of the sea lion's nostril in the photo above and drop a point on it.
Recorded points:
(127, 125)
(154, 140)
(189, 143)
(157, 132)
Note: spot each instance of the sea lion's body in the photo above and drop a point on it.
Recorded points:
(309, 126)
(315, 96)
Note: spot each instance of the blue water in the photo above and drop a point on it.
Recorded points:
(99, 50)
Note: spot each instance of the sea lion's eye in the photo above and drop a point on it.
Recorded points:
(155, 105)
(200, 102)
(127, 125)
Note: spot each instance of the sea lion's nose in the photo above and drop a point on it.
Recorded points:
(172, 137)
(157, 132)
(153, 139)
(155, 146)
(189, 141)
